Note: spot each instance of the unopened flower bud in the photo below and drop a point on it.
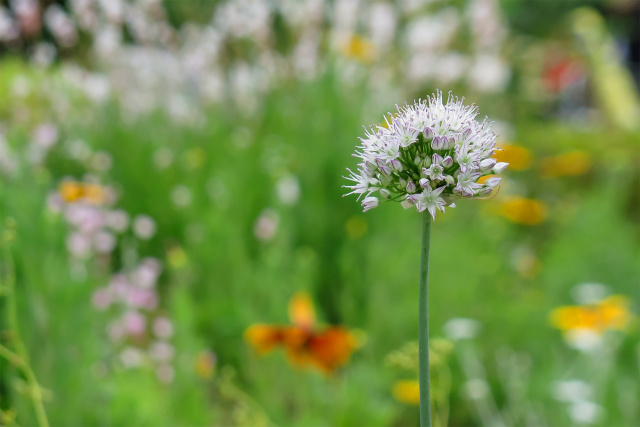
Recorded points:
(449, 179)
(426, 162)
(439, 142)
(484, 191)
(370, 203)
(417, 160)
(487, 164)
(437, 159)
(499, 167)
(451, 142)
(448, 161)
(409, 201)
(396, 165)
(384, 193)
(424, 183)
(428, 133)
(385, 180)
(493, 181)
(411, 187)
(402, 182)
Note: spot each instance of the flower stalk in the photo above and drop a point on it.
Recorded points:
(423, 319)
(20, 357)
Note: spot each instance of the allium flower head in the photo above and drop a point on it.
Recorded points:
(427, 155)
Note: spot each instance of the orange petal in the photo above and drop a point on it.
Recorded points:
(264, 338)
(331, 348)
(301, 311)
(295, 340)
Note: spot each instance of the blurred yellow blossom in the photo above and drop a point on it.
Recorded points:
(70, 191)
(524, 211)
(519, 158)
(583, 326)
(359, 48)
(610, 313)
(575, 162)
(73, 191)
(407, 391)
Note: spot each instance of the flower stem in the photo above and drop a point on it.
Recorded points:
(423, 318)
(20, 357)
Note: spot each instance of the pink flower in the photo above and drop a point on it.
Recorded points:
(101, 299)
(134, 323)
(162, 327)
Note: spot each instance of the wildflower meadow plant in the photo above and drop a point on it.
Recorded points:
(427, 156)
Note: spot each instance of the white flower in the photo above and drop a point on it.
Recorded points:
(572, 391)
(370, 203)
(460, 328)
(439, 148)
(430, 200)
(584, 412)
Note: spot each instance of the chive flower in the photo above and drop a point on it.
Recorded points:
(427, 155)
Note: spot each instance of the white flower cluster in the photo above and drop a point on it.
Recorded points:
(427, 156)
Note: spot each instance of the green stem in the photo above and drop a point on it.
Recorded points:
(423, 318)
(20, 358)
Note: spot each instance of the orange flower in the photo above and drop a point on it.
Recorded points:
(575, 162)
(304, 345)
(519, 158)
(524, 211)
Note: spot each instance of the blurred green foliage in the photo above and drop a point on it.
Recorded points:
(361, 269)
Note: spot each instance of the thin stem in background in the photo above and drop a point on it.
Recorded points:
(423, 319)
(20, 358)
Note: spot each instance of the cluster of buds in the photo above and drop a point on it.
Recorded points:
(427, 156)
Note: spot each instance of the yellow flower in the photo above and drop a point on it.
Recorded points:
(72, 191)
(519, 158)
(575, 162)
(94, 194)
(610, 313)
(524, 211)
(359, 48)
(407, 391)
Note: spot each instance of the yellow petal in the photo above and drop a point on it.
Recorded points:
(301, 311)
